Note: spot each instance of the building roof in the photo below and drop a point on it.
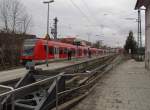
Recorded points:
(141, 3)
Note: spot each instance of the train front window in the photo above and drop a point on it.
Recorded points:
(29, 45)
(28, 50)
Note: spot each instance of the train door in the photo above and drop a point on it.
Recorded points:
(56, 52)
(65, 52)
(51, 52)
(85, 52)
(73, 52)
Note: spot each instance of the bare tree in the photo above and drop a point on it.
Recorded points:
(17, 13)
(4, 15)
(26, 21)
(12, 13)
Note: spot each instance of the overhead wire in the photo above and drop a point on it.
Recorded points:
(90, 21)
(78, 8)
(74, 5)
(91, 13)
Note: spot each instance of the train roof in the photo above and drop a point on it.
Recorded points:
(59, 43)
(43, 41)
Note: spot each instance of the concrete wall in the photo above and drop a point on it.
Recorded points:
(147, 39)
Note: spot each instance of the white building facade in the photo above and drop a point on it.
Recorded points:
(139, 4)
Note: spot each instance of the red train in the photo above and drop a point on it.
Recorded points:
(35, 50)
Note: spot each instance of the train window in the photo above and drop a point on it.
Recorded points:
(28, 50)
(55, 51)
(80, 51)
(60, 50)
(45, 47)
(85, 51)
(51, 50)
(65, 50)
(73, 52)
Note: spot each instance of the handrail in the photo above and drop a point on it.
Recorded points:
(39, 82)
(7, 87)
(10, 90)
(13, 91)
(30, 85)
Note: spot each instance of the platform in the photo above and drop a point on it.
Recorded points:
(18, 73)
(127, 87)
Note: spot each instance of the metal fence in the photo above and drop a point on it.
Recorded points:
(12, 92)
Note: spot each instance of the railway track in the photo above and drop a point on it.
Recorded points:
(87, 84)
(11, 77)
(10, 67)
(42, 90)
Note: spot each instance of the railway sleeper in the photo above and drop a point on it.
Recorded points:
(42, 97)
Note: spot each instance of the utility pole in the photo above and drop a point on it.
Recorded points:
(139, 29)
(54, 30)
(47, 35)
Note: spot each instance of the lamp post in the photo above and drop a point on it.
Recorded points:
(139, 38)
(47, 35)
(140, 27)
(139, 20)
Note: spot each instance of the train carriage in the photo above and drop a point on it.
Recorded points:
(36, 50)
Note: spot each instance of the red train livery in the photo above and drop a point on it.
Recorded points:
(35, 50)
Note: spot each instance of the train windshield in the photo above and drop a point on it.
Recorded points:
(28, 48)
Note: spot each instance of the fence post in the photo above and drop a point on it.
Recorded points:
(12, 102)
(56, 93)
(1, 106)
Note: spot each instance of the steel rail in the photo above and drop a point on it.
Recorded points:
(41, 81)
(85, 85)
(108, 68)
(13, 91)
(7, 87)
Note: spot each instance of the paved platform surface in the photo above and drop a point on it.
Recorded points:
(127, 87)
(18, 73)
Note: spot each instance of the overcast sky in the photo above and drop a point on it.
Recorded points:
(99, 19)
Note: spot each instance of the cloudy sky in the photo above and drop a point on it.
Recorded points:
(106, 20)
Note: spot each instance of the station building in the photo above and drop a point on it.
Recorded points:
(72, 40)
(146, 4)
